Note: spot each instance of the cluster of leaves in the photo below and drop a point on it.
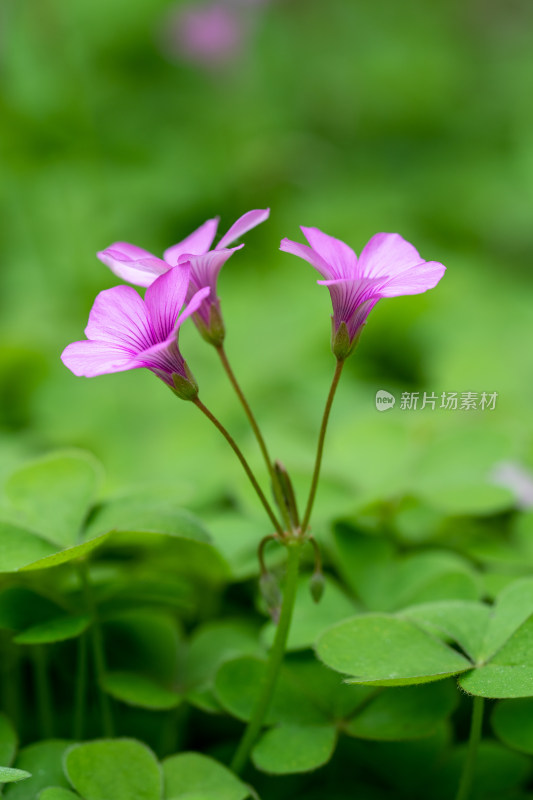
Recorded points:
(127, 618)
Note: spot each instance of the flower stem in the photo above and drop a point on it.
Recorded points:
(80, 689)
(467, 775)
(257, 431)
(98, 652)
(320, 446)
(275, 659)
(42, 686)
(236, 449)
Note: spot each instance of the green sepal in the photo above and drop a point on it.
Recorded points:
(185, 388)
(215, 332)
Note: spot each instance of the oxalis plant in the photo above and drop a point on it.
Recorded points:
(358, 662)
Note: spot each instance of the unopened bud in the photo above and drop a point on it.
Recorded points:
(317, 584)
(287, 493)
(271, 594)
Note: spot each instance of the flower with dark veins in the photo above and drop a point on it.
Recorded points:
(138, 266)
(387, 267)
(126, 332)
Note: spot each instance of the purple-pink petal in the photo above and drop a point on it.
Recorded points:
(415, 280)
(120, 317)
(196, 243)
(164, 358)
(387, 254)
(90, 358)
(164, 299)
(194, 304)
(340, 258)
(309, 255)
(205, 268)
(348, 296)
(244, 224)
(132, 263)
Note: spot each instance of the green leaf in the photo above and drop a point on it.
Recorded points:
(8, 741)
(19, 547)
(138, 690)
(464, 622)
(310, 618)
(64, 556)
(386, 582)
(53, 494)
(196, 777)
(363, 561)
(512, 722)
(387, 651)
(409, 712)
(44, 761)
(122, 769)
(172, 554)
(430, 576)
(20, 608)
(513, 607)
(57, 793)
(147, 638)
(214, 643)
(294, 748)
(133, 515)
(236, 536)
(507, 647)
(8, 775)
(469, 498)
(499, 681)
(238, 683)
(334, 698)
(55, 630)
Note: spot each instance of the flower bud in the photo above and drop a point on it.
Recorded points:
(317, 585)
(287, 493)
(271, 594)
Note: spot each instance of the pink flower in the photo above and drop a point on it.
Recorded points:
(126, 332)
(138, 266)
(387, 267)
(209, 34)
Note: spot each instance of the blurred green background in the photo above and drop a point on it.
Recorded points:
(354, 116)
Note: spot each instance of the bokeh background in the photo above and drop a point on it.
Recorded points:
(137, 120)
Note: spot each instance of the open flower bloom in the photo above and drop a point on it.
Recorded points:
(126, 332)
(387, 267)
(138, 266)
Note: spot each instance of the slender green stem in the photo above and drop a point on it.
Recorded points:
(257, 431)
(275, 659)
(98, 652)
(236, 449)
(467, 775)
(42, 686)
(80, 696)
(320, 446)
